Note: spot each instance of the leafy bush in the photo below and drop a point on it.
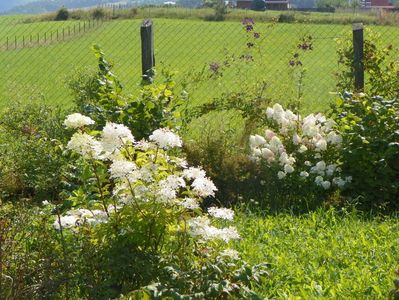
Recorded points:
(137, 214)
(62, 14)
(31, 165)
(98, 13)
(380, 66)
(31, 258)
(300, 155)
(101, 96)
(370, 149)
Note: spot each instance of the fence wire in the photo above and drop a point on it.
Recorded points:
(39, 56)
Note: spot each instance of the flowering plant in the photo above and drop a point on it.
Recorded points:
(139, 192)
(302, 150)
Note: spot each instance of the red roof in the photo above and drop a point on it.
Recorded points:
(380, 3)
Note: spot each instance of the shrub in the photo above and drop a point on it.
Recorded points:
(300, 155)
(31, 165)
(101, 96)
(136, 213)
(380, 67)
(370, 149)
(98, 13)
(62, 14)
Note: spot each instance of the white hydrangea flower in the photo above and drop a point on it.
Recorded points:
(221, 213)
(288, 169)
(269, 134)
(307, 163)
(66, 222)
(318, 180)
(281, 174)
(338, 181)
(115, 135)
(200, 227)
(304, 174)
(326, 184)
(256, 141)
(77, 120)
(267, 154)
(330, 169)
(269, 112)
(121, 168)
(302, 149)
(165, 138)
(296, 139)
(204, 187)
(85, 145)
(321, 145)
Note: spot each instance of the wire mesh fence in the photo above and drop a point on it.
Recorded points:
(38, 56)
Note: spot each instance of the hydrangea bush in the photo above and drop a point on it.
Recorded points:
(141, 193)
(301, 152)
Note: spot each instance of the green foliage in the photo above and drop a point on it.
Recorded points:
(31, 137)
(326, 254)
(101, 96)
(380, 66)
(98, 13)
(370, 151)
(32, 264)
(62, 14)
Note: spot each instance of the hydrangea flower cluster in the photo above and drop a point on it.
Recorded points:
(141, 173)
(303, 147)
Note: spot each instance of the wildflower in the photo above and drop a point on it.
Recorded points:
(77, 120)
(214, 67)
(165, 138)
(221, 213)
(169, 187)
(256, 35)
(121, 168)
(115, 135)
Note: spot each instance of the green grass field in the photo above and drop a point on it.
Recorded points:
(180, 45)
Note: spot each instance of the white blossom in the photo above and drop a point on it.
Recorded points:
(115, 135)
(165, 138)
(304, 174)
(193, 173)
(281, 174)
(288, 169)
(121, 168)
(326, 184)
(189, 203)
(204, 187)
(85, 145)
(221, 213)
(77, 120)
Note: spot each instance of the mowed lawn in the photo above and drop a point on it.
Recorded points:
(180, 45)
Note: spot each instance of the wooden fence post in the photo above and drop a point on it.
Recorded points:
(358, 56)
(147, 50)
